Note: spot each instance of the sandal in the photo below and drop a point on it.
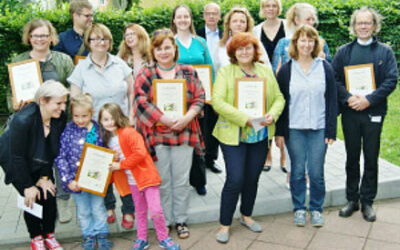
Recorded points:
(182, 230)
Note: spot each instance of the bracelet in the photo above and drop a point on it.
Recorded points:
(46, 178)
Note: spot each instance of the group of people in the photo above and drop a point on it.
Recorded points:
(111, 104)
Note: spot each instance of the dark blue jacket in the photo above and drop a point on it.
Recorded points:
(385, 70)
(283, 77)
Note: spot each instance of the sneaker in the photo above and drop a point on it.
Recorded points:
(140, 244)
(103, 243)
(317, 220)
(52, 243)
(128, 224)
(110, 216)
(300, 218)
(89, 243)
(37, 243)
(169, 244)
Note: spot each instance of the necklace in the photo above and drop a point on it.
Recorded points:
(98, 65)
(166, 69)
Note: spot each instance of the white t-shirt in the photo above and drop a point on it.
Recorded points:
(114, 145)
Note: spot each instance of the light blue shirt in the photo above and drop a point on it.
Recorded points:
(106, 86)
(212, 40)
(307, 97)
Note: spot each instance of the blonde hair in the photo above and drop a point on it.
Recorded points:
(264, 2)
(50, 89)
(37, 23)
(143, 43)
(376, 18)
(82, 100)
(298, 10)
(173, 26)
(310, 32)
(227, 20)
(118, 116)
(100, 30)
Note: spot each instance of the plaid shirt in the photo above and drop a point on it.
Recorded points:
(148, 114)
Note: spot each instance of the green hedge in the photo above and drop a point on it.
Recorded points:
(334, 18)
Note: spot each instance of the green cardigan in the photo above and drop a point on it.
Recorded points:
(223, 101)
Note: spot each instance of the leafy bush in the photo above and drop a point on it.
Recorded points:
(334, 16)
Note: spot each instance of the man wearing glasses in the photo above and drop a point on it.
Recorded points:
(71, 40)
(212, 34)
(363, 112)
(210, 31)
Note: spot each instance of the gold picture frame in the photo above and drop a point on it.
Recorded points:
(93, 175)
(25, 78)
(250, 96)
(204, 72)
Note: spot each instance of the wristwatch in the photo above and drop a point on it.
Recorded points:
(46, 178)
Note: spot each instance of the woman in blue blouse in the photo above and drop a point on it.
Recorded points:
(193, 50)
(308, 121)
(297, 15)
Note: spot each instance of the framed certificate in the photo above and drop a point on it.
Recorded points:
(93, 175)
(25, 79)
(77, 59)
(360, 79)
(170, 96)
(250, 96)
(205, 75)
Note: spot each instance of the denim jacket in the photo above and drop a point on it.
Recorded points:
(71, 145)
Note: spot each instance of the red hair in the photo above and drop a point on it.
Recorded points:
(243, 39)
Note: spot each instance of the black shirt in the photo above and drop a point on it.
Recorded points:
(270, 45)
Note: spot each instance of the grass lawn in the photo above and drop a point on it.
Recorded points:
(390, 139)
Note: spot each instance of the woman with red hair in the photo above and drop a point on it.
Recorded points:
(243, 148)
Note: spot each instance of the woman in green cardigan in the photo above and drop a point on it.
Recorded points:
(243, 148)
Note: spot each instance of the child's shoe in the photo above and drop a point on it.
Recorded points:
(89, 243)
(140, 245)
(52, 243)
(169, 244)
(37, 243)
(103, 243)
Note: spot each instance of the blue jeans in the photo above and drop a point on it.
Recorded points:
(307, 147)
(92, 214)
(243, 165)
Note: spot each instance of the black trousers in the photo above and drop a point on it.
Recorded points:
(46, 225)
(197, 172)
(128, 207)
(361, 132)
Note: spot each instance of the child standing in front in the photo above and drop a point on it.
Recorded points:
(136, 167)
(91, 212)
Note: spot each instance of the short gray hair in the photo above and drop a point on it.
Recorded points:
(376, 17)
(212, 4)
(49, 89)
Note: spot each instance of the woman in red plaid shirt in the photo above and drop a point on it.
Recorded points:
(170, 140)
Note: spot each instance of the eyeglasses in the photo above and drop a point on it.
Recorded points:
(87, 15)
(165, 32)
(129, 35)
(364, 23)
(42, 36)
(210, 14)
(99, 40)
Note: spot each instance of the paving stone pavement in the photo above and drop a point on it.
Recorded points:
(272, 210)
